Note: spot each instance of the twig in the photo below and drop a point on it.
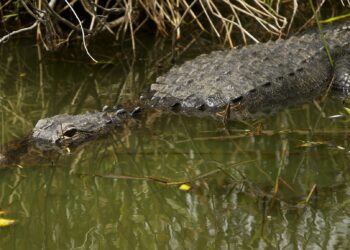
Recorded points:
(109, 10)
(208, 18)
(82, 31)
(31, 12)
(313, 189)
(119, 21)
(6, 37)
(342, 2)
(63, 20)
(295, 8)
(5, 4)
(173, 40)
(130, 24)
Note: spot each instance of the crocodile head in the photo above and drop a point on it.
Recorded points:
(67, 130)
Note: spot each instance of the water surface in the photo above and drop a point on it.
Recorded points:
(286, 185)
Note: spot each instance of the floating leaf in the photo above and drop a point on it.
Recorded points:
(347, 110)
(309, 144)
(185, 187)
(335, 116)
(6, 222)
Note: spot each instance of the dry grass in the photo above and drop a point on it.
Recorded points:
(55, 21)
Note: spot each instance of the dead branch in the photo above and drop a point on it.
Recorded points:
(6, 37)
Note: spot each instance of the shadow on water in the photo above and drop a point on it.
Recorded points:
(285, 185)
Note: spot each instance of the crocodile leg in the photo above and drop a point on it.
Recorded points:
(342, 74)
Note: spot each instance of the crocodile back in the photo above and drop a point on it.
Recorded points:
(211, 81)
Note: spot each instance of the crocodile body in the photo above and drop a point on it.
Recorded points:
(259, 78)
(247, 81)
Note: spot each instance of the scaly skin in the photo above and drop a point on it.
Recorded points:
(259, 78)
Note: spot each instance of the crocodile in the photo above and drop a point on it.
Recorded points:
(240, 83)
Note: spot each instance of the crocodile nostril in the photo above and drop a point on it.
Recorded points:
(266, 84)
(70, 132)
(176, 107)
(252, 91)
(237, 99)
(201, 107)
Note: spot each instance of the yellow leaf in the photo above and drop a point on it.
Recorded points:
(347, 110)
(185, 187)
(6, 222)
(67, 149)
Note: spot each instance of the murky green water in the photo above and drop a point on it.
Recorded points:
(86, 200)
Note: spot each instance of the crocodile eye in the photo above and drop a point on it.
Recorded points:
(70, 132)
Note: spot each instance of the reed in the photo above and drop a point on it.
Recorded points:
(58, 22)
